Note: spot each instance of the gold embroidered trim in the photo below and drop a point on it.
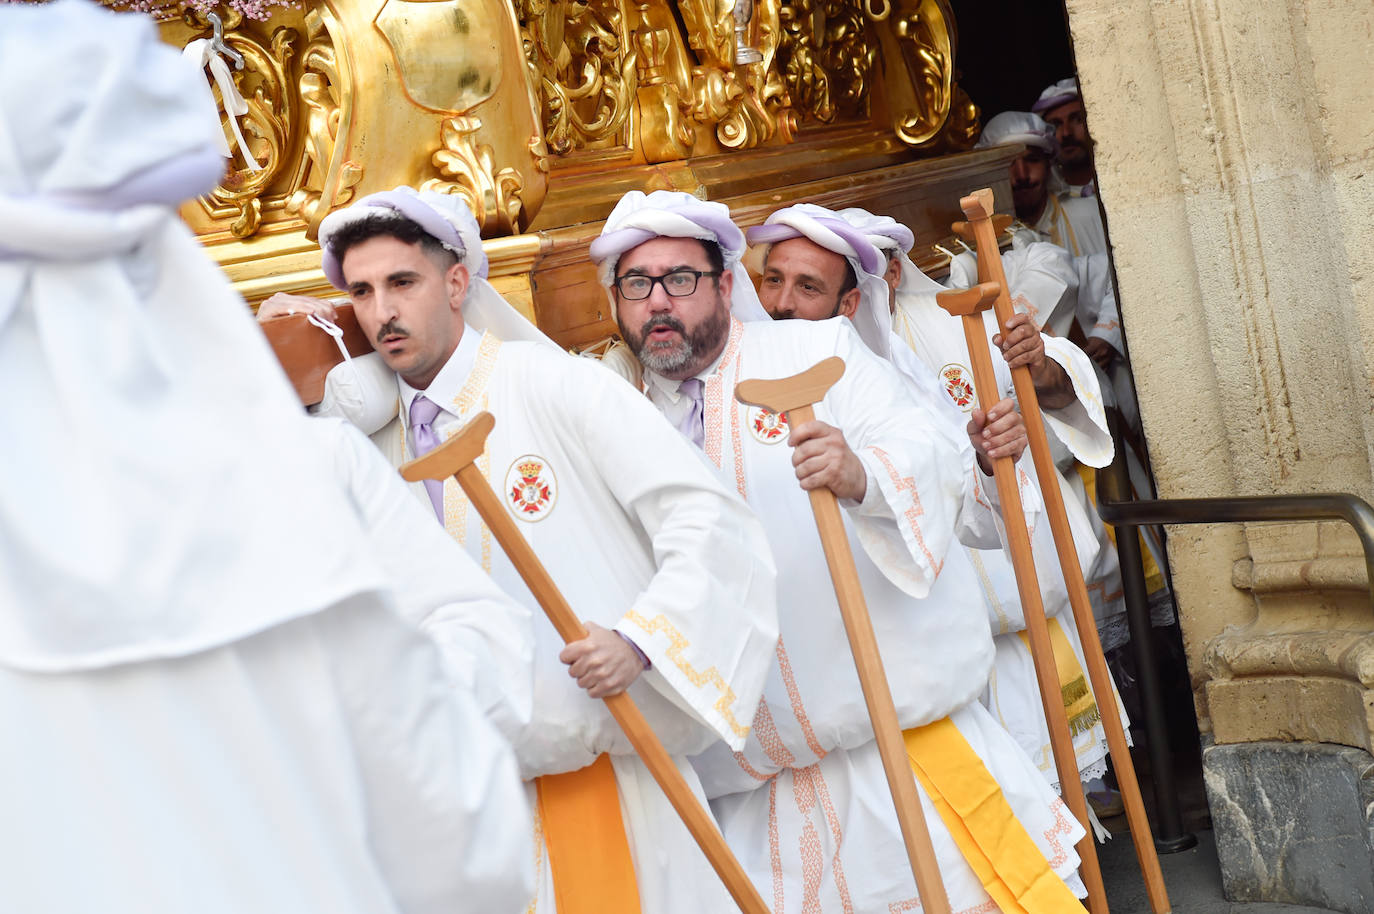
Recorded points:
(698, 678)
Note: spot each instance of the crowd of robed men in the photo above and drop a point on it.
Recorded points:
(309, 689)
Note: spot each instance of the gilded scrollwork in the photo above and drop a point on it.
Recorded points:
(580, 54)
(267, 127)
(736, 88)
(827, 57)
(327, 101)
(469, 169)
(665, 132)
(925, 49)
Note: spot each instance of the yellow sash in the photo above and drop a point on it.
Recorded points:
(993, 841)
(1079, 706)
(589, 856)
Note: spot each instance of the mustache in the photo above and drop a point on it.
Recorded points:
(662, 320)
(391, 328)
(1025, 185)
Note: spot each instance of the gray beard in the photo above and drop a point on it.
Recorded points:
(706, 338)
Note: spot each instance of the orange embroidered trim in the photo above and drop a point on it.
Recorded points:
(821, 791)
(789, 681)
(903, 484)
(769, 740)
(714, 394)
(775, 847)
(698, 678)
(1061, 827)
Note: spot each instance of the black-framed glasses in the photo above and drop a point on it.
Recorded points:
(639, 286)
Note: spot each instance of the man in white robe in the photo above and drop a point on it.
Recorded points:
(804, 803)
(669, 569)
(1073, 223)
(1042, 283)
(222, 708)
(1061, 106)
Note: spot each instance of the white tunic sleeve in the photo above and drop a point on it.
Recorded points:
(447, 819)
(486, 638)
(921, 463)
(707, 618)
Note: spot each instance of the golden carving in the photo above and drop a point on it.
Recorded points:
(921, 61)
(444, 50)
(827, 57)
(328, 100)
(468, 169)
(267, 127)
(665, 133)
(579, 54)
(736, 88)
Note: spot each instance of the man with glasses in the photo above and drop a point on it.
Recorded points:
(669, 570)
(805, 804)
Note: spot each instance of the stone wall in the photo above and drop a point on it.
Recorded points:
(1235, 154)
(1235, 158)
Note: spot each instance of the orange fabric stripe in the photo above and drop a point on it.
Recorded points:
(589, 856)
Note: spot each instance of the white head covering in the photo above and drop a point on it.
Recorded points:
(1056, 95)
(639, 217)
(872, 319)
(447, 219)
(890, 236)
(142, 514)
(1018, 127)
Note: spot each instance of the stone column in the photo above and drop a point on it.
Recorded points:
(1235, 158)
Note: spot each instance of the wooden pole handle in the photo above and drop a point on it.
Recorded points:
(796, 396)
(977, 207)
(456, 458)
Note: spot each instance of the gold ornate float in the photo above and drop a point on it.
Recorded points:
(541, 113)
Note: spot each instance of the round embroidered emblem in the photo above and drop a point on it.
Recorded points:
(531, 488)
(957, 384)
(767, 426)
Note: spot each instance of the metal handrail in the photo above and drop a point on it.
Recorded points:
(1246, 508)
(1171, 836)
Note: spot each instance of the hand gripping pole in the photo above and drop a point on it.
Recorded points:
(978, 209)
(456, 457)
(796, 396)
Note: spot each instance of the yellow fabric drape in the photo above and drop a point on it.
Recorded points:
(1079, 706)
(589, 856)
(993, 841)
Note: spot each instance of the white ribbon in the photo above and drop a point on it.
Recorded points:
(336, 332)
(202, 53)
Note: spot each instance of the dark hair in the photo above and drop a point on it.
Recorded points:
(714, 256)
(387, 225)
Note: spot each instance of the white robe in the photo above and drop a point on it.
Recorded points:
(639, 536)
(310, 766)
(1073, 223)
(805, 804)
(1042, 282)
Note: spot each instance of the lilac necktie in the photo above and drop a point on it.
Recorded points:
(423, 440)
(690, 425)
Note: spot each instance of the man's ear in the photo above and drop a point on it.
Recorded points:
(456, 281)
(894, 272)
(849, 302)
(726, 282)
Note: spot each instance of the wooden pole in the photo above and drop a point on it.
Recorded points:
(456, 457)
(978, 208)
(796, 396)
(968, 304)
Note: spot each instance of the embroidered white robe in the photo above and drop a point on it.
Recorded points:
(805, 804)
(1042, 282)
(640, 536)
